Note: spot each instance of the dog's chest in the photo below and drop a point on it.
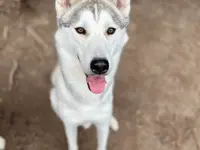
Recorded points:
(87, 114)
(79, 109)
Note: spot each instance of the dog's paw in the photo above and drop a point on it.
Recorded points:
(2, 143)
(87, 125)
(114, 124)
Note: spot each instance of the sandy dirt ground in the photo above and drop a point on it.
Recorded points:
(157, 94)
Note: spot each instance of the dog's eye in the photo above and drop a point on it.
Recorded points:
(80, 30)
(111, 31)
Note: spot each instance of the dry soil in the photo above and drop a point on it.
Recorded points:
(157, 94)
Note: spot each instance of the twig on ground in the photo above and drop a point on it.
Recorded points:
(5, 37)
(37, 37)
(12, 74)
(5, 32)
(195, 139)
(42, 21)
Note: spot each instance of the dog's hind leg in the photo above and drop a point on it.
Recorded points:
(53, 74)
(114, 124)
(86, 125)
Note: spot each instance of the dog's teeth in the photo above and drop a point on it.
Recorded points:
(114, 124)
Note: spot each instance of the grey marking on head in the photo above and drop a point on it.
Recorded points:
(68, 19)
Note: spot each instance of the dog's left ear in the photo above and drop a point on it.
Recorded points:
(61, 6)
(124, 6)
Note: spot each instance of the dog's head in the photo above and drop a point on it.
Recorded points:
(95, 31)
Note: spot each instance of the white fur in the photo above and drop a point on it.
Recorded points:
(70, 97)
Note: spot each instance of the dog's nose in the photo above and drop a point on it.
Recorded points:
(99, 65)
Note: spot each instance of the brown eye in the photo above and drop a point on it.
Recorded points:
(111, 31)
(80, 30)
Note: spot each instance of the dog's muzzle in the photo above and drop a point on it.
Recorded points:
(97, 82)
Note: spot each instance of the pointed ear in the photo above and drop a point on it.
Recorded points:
(124, 6)
(61, 6)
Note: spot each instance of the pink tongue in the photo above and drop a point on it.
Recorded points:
(96, 84)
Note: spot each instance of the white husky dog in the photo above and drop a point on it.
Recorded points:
(89, 40)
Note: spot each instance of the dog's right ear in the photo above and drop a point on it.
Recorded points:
(124, 6)
(61, 6)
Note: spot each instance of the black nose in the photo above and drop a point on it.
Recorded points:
(99, 65)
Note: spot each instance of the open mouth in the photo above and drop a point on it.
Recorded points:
(96, 83)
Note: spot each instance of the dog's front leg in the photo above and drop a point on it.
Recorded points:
(102, 135)
(71, 133)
